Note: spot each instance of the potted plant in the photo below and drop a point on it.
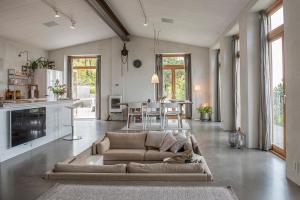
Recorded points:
(205, 112)
(58, 89)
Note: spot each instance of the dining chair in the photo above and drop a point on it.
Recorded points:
(134, 110)
(171, 109)
(153, 109)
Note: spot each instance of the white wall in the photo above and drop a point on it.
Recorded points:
(213, 83)
(135, 84)
(9, 51)
(292, 78)
(250, 77)
(227, 111)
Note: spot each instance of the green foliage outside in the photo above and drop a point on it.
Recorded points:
(180, 84)
(278, 92)
(86, 77)
(84, 62)
(173, 61)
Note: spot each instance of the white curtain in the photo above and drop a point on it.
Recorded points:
(265, 134)
(236, 82)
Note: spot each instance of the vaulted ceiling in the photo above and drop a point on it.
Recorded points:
(196, 22)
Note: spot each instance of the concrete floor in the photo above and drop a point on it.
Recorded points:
(254, 175)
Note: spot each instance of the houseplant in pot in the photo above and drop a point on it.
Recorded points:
(205, 112)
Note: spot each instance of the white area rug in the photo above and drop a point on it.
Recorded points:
(98, 192)
(155, 126)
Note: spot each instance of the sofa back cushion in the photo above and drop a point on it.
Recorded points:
(165, 168)
(126, 140)
(75, 168)
(155, 139)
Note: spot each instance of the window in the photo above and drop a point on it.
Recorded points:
(275, 38)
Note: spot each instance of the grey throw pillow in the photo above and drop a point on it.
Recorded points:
(168, 142)
(155, 139)
(180, 141)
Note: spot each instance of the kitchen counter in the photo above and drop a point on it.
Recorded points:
(58, 119)
(25, 103)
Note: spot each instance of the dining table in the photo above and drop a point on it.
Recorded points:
(181, 103)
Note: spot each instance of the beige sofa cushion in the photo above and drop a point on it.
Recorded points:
(103, 146)
(124, 154)
(196, 148)
(126, 140)
(152, 155)
(168, 142)
(75, 168)
(165, 168)
(155, 139)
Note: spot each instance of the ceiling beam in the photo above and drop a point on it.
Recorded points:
(107, 15)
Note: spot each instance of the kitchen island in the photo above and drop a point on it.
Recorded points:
(48, 122)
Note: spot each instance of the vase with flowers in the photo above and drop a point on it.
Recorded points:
(58, 89)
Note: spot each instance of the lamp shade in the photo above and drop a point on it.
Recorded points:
(154, 79)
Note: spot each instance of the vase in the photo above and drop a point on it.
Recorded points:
(205, 116)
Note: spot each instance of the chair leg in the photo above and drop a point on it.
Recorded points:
(128, 119)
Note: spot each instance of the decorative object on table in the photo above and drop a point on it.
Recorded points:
(237, 139)
(137, 63)
(205, 112)
(58, 89)
(124, 58)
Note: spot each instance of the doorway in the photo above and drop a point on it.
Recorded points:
(84, 86)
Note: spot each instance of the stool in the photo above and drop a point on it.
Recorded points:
(72, 136)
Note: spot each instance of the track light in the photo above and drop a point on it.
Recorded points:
(72, 24)
(56, 14)
(145, 23)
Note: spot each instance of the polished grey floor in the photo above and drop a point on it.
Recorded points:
(254, 175)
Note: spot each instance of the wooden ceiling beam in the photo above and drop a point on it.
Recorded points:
(107, 15)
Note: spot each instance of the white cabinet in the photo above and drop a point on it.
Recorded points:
(45, 78)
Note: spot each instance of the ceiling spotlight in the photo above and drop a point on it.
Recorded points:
(72, 25)
(145, 23)
(56, 14)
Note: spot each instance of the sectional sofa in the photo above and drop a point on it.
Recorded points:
(128, 156)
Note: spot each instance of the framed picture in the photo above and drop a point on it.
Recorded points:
(24, 68)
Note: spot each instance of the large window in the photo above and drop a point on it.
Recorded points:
(275, 37)
(174, 77)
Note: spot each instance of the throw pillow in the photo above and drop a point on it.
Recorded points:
(188, 145)
(155, 139)
(180, 141)
(168, 142)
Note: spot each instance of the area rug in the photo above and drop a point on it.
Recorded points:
(155, 126)
(100, 192)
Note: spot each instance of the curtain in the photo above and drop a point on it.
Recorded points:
(69, 77)
(188, 84)
(218, 86)
(265, 119)
(235, 73)
(98, 88)
(159, 72)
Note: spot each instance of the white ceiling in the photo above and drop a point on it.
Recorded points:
(196, 22)
(22, 21)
